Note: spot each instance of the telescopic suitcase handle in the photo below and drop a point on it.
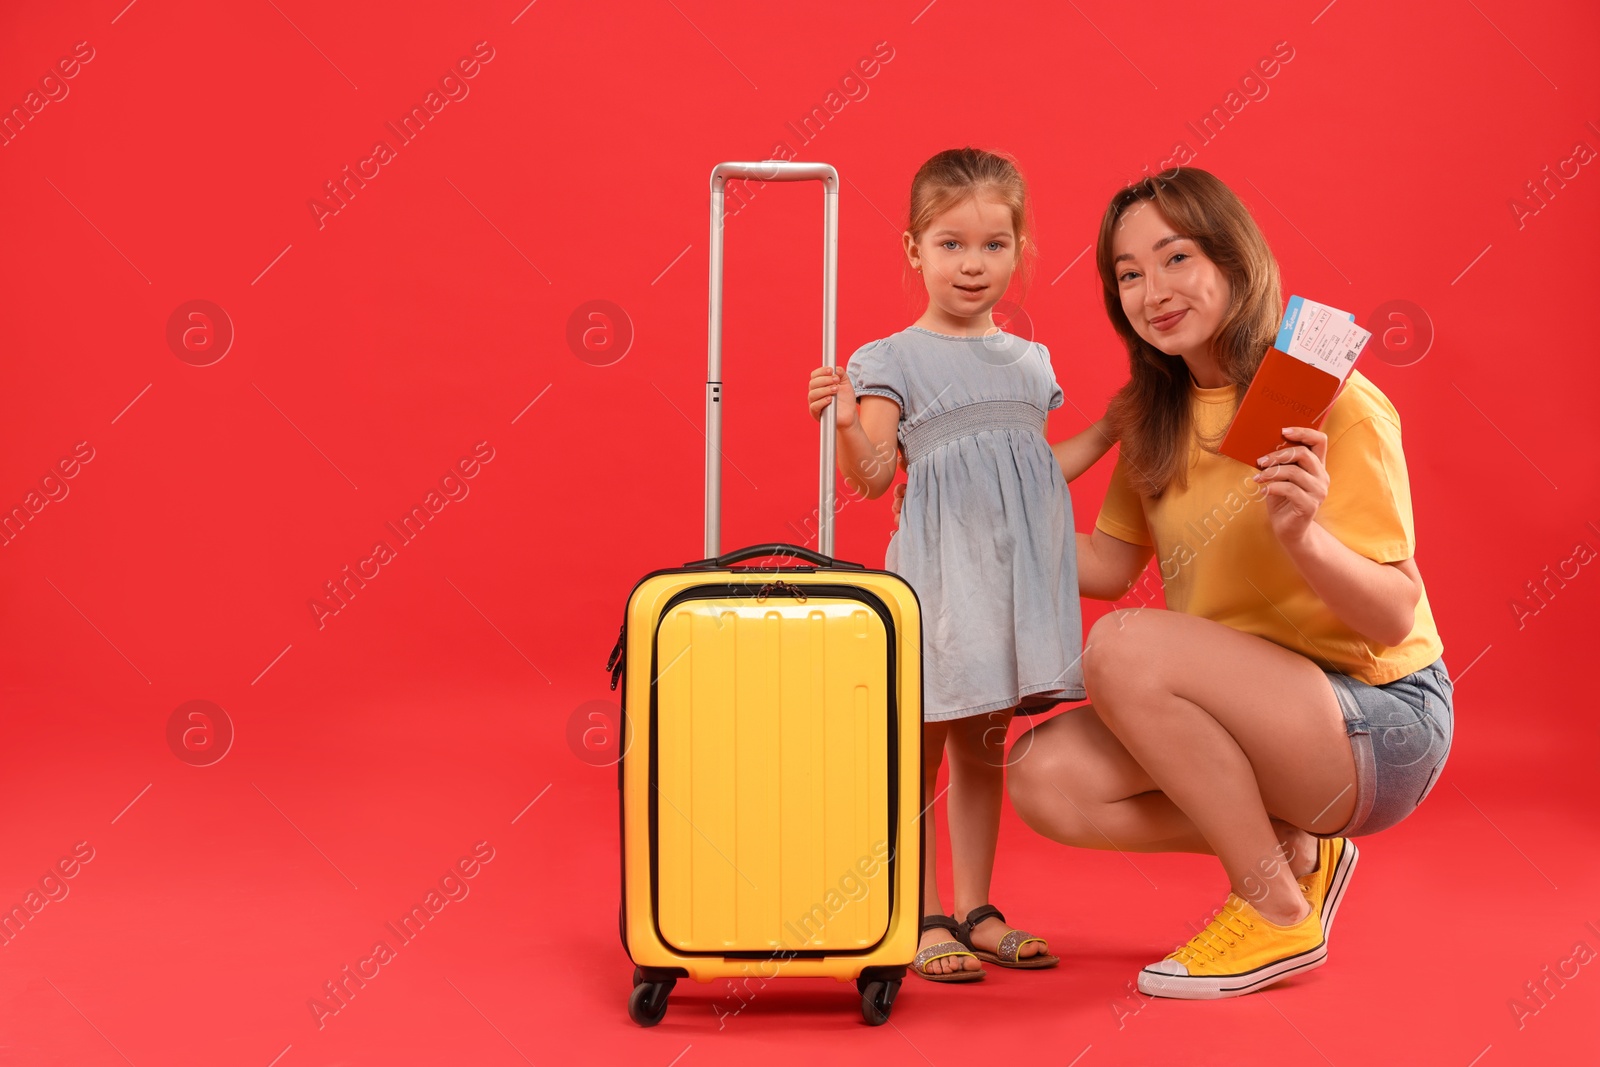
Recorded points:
(771, 170)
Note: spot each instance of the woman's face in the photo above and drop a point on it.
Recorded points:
(966, 257)
(1172, 294)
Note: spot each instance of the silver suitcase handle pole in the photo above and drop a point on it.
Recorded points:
(771, 170)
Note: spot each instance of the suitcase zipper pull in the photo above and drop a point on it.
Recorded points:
(786, 588)
(614, 661)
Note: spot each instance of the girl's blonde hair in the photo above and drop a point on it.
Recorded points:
(958, 174)
(1150, 415)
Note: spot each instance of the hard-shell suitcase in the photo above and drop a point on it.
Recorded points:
(771, 787)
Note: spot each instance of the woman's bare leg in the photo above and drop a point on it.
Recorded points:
(1073, 782)
(1200, 737)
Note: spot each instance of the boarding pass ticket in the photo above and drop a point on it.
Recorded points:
(1322, 336)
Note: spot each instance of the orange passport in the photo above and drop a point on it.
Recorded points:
(1285, 392)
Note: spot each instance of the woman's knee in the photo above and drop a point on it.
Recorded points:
(1049, 808)
(1120, 657)
(1041, 784)
(1027, 773)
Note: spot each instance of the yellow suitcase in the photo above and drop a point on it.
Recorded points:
(771, 787)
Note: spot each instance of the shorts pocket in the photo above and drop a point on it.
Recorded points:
(1440, 712)
(1403, 734)
(1433, 779)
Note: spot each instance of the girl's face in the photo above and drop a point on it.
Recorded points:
(966, 258)
(1172, 294)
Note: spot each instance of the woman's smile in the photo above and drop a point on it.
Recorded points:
(1169, 320)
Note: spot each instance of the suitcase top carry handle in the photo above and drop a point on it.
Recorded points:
(771, 170)
(739, 555)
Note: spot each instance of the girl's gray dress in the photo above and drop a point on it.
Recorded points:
(986, 536)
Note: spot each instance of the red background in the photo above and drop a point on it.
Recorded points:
(375, 350)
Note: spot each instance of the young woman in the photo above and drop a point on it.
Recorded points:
(1292, 690)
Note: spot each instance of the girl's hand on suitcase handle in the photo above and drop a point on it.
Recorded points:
(828, 383)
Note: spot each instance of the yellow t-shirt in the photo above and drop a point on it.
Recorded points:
(1219, 559)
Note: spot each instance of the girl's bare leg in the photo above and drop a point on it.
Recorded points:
(933, 739)
(977, 747)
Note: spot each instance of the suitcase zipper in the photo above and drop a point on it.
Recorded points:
(761, 593)
(614, 661)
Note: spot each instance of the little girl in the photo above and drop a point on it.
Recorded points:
(986, 531)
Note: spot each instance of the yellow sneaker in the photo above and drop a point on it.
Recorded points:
(1325, 886)
(1238, 952)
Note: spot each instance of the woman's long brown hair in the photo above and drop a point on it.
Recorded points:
(1151, 413)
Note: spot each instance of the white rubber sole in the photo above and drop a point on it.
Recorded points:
(1219, 987)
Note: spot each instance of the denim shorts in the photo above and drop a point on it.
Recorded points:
(1400, 735)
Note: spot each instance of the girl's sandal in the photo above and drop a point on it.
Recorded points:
(1010, 945)
(942, 950)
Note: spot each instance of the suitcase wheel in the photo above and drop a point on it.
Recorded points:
(877, 999)
(648, 1002)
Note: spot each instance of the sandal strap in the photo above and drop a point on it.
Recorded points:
(1010, 946)
(976, 917)
(940, 922)
(938, 952)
